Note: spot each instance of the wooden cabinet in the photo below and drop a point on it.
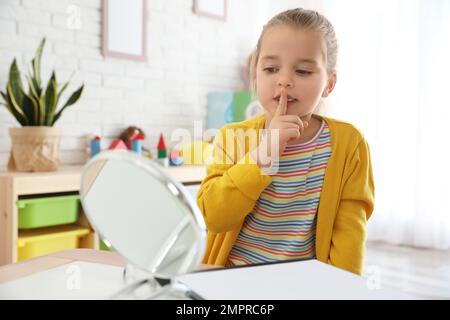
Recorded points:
(14, 185)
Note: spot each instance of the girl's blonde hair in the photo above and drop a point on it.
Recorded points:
(303, 19)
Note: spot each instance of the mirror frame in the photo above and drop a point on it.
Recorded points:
(156, 171)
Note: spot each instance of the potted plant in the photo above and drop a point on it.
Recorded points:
(35, 145)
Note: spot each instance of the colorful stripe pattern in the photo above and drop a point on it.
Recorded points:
(282, 224)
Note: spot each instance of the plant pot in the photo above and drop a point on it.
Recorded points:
(34, 148)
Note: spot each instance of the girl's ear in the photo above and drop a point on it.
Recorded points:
(330, 86)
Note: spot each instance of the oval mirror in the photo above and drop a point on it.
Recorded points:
(143, 214)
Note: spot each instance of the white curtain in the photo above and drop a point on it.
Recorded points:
(394, 84)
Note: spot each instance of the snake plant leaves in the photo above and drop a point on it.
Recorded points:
(38, 107)
(72, 99)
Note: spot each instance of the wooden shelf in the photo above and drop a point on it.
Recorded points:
(66, 179)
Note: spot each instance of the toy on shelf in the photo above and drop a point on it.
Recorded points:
(162, 152)
(118, 144)
(136, 143)
(147, 153)
(175, 158)
(95, 145)
(131, 133)
(130, 139)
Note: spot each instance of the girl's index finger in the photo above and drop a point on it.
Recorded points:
(282, 104)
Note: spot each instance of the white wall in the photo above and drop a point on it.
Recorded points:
(188, 55)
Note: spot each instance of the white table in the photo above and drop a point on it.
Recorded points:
(92, 274)
(309, 279)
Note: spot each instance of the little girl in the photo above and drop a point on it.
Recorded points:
(304, 189)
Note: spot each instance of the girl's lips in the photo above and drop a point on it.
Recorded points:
(289, 97)
(289, 102)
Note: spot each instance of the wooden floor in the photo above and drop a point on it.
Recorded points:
(423, 273)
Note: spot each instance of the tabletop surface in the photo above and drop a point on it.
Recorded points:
(93, 274)
(307, 279)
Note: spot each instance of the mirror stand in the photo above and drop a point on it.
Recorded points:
(153, 288)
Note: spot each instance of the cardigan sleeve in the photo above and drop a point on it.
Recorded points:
(355, 208)
(231, 188)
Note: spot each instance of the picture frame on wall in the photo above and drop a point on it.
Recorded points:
(216, 9)
(124, 29)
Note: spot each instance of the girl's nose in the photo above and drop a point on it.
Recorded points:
(285, 81)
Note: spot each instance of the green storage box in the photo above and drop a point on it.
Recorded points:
(50, 211)
(103, 246)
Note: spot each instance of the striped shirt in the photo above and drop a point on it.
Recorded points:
(282, 224)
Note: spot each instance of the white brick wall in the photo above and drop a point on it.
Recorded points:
(188, 55)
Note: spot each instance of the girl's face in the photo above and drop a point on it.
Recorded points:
(294, 59)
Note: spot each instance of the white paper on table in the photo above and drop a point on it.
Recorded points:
(310, 279)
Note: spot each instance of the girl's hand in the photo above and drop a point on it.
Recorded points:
(290, 127)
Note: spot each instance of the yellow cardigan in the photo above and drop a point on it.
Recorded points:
(230, 191)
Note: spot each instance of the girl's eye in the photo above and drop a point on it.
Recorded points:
(270, 69)
(304, 72)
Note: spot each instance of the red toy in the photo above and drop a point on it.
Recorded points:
(162, 150)
(118, 144)
(138, 136)
(130, 134)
